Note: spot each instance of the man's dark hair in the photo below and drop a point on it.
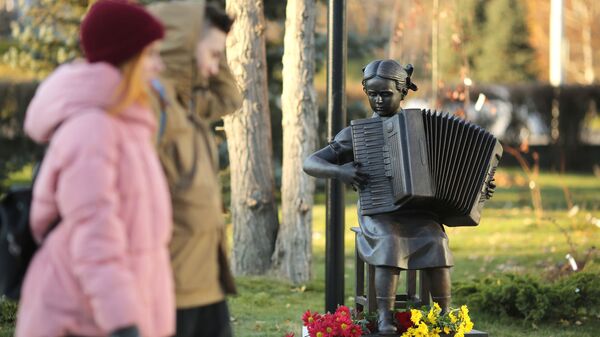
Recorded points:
(217, 18)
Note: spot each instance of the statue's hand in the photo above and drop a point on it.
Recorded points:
(351, 174)
(490, 188)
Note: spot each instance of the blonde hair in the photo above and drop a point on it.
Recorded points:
(133, 88)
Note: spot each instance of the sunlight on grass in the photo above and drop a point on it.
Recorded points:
(11, 74)
(20, 178)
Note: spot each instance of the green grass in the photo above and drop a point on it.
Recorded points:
(22, 177)
(506, 240)
(514, 190)
(6, 331)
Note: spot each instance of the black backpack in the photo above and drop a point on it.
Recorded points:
(17, 245)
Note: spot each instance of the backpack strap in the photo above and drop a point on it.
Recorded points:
(162, 98)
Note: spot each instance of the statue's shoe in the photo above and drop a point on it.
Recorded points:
(386, 326)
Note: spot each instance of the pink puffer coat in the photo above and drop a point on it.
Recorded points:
(106, 265)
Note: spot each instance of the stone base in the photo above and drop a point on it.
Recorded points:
(472, 333)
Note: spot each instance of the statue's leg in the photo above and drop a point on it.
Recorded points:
(440, 285)
(386, 281)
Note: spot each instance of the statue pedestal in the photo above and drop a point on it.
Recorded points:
(472, 333)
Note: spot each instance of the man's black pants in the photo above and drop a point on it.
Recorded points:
(206, 321)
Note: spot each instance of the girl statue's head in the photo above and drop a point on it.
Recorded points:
(386, 83)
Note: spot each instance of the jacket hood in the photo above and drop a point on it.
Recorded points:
(183, 23)
(72, 89)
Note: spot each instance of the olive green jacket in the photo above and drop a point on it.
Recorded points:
(188, 153)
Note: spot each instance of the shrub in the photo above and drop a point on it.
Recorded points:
(8, 312)
(571, 297)
(16, 150)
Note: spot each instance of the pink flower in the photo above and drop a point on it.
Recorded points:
(339, 324)
(316, 329)
(355, 331)
(345, 329)
(329, 325)
(339, 319)
(343, 311)
(310, 317)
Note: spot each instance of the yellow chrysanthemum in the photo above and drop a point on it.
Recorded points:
(426, 323)
(432, 317)
(469, 326)
(453, 318)
(422, 330)
(410, 332)
(434, 313)
(415, 316)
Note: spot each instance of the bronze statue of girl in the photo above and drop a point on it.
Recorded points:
(402, 240)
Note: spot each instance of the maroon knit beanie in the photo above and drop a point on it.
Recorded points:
(113, 31)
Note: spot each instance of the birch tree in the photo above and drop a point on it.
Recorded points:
(253, 208)
(293, 251)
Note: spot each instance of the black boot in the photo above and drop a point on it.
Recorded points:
(386, 280)
(440, 285)
(385, 317)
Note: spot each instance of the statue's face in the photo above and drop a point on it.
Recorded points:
(383, 95)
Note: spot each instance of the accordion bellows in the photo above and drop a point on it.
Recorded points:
(423, 160)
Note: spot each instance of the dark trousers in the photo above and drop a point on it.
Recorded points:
(207, 321)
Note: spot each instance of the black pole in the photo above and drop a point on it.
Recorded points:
(336, 119)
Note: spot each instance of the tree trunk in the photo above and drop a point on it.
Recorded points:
(293, 251)
(396, 30)
(253, 208)
(435, 33)
(588, 50)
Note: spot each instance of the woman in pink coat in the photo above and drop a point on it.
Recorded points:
(104, 269)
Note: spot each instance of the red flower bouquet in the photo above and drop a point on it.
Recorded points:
(338, 324)
(403, 321)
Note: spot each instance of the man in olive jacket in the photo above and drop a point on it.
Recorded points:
(197, 89)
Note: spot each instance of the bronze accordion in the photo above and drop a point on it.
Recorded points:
(423, 160)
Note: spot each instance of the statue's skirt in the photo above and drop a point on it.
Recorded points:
(404, 239)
